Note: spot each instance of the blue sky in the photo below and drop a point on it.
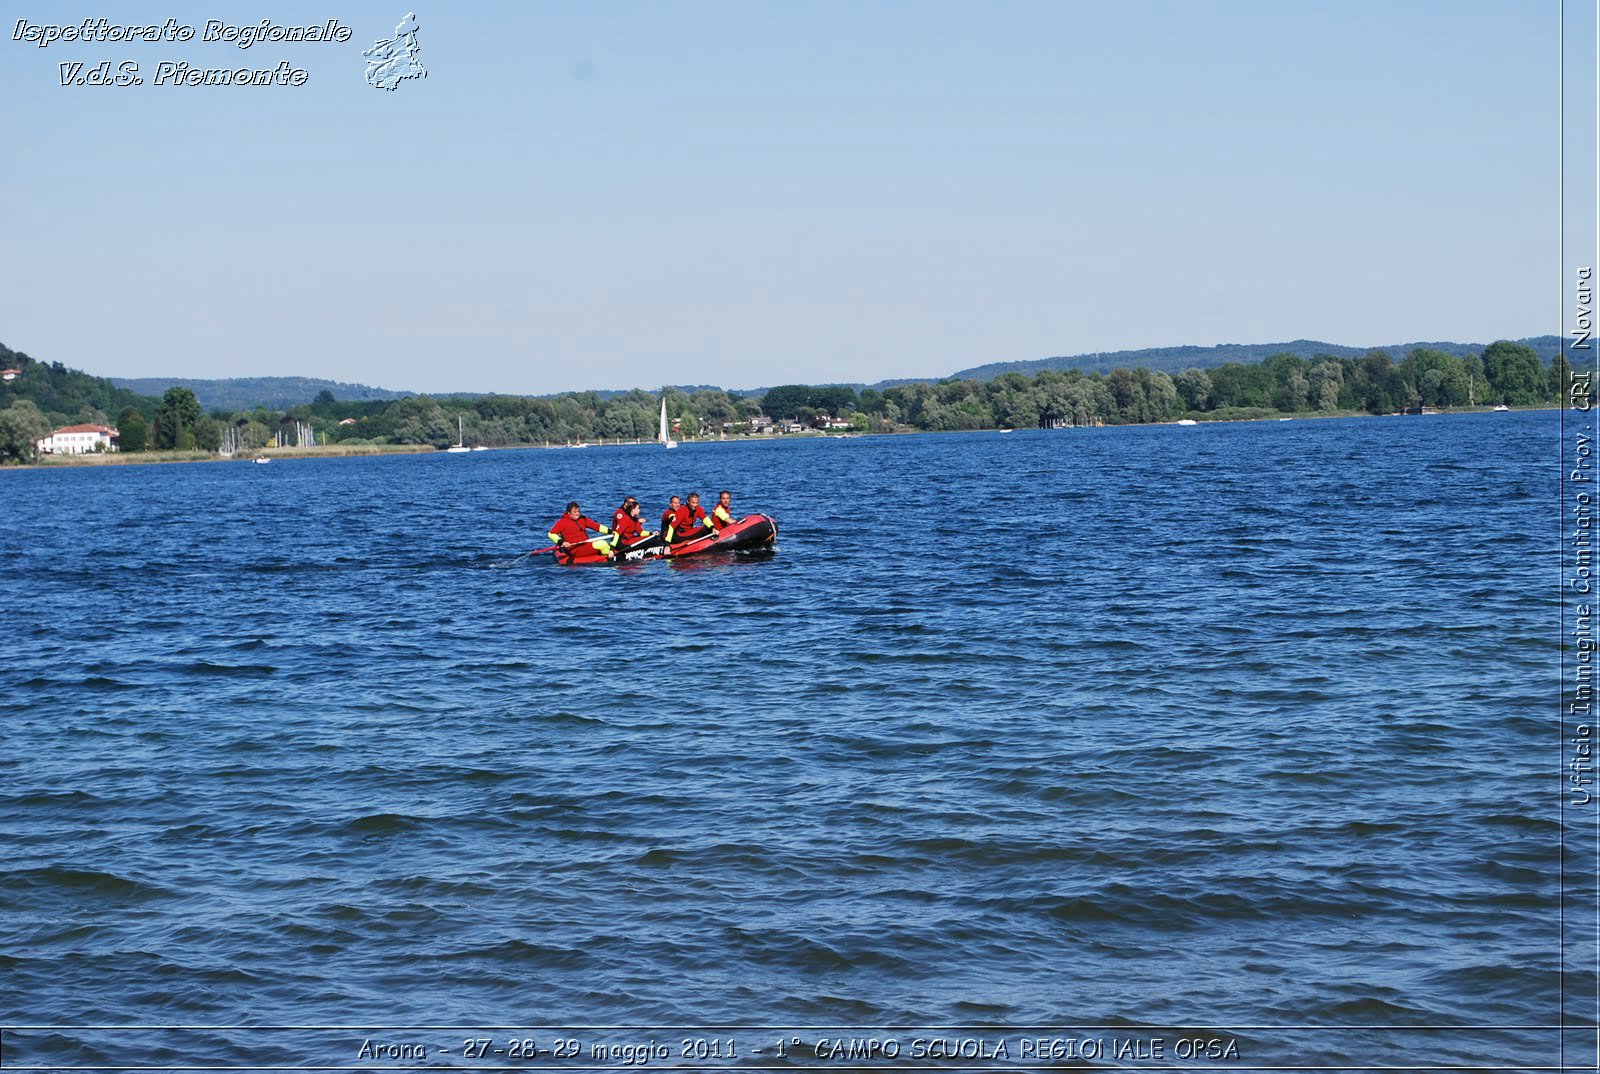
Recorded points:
(616, 194)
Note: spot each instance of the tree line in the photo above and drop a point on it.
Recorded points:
(1282, 384)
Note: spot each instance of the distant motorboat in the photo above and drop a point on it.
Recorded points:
(1502, 409)
(1187, 421)
(261, 460)
(1006, 430)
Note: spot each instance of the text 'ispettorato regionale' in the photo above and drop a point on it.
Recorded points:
(179, 72)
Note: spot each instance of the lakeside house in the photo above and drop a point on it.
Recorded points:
(9, 375)
(348, 421)
(79, 440)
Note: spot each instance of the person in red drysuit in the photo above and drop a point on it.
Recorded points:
(572, 528)
(625, 523)
(691, 519)
(722, 514)
(669, 517)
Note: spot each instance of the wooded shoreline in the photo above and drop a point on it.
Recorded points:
(334, 451)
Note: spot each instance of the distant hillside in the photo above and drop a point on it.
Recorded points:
(64, 394)
(1177, 359)
(247, 393)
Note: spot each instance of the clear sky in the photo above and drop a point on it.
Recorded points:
(748, 192)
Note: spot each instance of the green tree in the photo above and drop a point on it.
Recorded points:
(713, 408)
(179, 411)
(208, 434)
(838, 401)
(22, 426)
(1296, 392)
(1162, 395)
(1378, 384)
(253, 435)
(1558, 379)
(132, 430)
(1194, 389)
(1237, 384)
(1282, 366)
(1324, 383)
(421, 420)
(1515, 375)
(786, 401)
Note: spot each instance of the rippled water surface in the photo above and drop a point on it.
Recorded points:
(1236, 723)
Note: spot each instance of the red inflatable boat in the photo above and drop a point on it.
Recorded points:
(751, 533)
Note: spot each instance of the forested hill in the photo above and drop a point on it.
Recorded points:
(72, 393)
(1176, 359)
(39, 397)
(247, 393)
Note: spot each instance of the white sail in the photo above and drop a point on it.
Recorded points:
(665, 440)
(461, 442)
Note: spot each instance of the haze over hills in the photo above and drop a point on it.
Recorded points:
(1177, 359)
(247, 393)
(278, 393)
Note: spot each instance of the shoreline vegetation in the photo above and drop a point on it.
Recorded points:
(36, 398)
(336, 451)
(126, 458)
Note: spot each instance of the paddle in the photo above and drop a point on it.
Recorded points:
(592, 540)
(556, 547)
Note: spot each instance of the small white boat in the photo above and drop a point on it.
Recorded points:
(261, 460)
(479, 447)
(1187, 421)
(663, 439)
(1502, 409)
(461, 444)
(1006, 430)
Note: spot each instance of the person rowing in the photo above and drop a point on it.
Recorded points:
(573, 528)
(691, 521)
(626, 522)
(632, 537)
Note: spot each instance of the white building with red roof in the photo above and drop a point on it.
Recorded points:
(9, 375)
(79, 440)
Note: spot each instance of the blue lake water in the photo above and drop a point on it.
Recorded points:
(1245, 725)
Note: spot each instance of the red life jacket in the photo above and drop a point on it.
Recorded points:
(626, 526)
(572, 530)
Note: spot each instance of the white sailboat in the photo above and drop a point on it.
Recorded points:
(461, 444)
(665, 440)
